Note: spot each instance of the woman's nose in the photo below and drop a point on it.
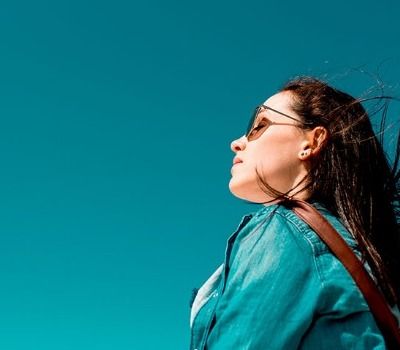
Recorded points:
(238, 145)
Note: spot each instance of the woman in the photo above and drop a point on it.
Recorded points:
(279, 286)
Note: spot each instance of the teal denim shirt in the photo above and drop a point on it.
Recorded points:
(281, 288)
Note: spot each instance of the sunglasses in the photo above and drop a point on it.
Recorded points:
(255, 131)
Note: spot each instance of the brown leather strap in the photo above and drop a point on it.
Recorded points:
(384, 318)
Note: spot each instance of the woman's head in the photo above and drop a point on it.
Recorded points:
(327, 152)
(276, 150)
(319, 139)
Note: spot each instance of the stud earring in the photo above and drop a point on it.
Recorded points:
(304, 153)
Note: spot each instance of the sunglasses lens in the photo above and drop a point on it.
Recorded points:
(251, 122)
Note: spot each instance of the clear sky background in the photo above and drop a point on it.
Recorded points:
(116, 120)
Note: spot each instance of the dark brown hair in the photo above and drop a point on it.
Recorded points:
(351, 175)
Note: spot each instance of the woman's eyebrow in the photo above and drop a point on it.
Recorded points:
(267, 108)
(285, 115)
(262, 118)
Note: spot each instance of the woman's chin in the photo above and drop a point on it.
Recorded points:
(241, 191)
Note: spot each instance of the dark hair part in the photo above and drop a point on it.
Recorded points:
(351, 176)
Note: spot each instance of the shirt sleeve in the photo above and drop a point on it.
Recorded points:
(357, 331)
(344, 320)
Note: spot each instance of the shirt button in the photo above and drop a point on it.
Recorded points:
(214, 296)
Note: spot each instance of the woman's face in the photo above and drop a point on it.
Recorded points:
(278, 154)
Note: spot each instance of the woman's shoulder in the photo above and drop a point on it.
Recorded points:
(286, 217)
(336, 282)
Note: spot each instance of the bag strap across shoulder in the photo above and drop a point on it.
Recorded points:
(384, 318)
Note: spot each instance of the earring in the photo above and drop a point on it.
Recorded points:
(304, 153)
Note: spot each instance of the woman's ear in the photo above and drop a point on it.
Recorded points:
(315, 139)
(319, 137)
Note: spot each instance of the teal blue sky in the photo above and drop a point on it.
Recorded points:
(116, 120)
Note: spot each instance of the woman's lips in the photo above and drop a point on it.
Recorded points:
(237, 160)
